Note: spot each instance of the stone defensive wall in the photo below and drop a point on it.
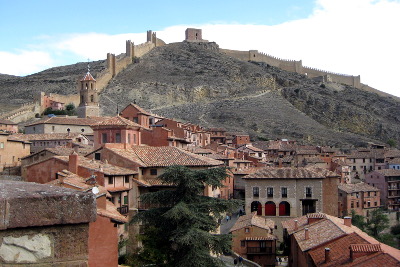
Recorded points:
(297, 66)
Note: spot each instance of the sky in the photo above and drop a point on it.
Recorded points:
(353, 37)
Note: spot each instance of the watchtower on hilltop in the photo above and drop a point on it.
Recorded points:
(193, 35)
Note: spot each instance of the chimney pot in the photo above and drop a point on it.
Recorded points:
(306, 234)
(73, 162)
(327, 255)
(347, 221)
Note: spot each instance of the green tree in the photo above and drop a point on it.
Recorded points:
(179, 230)
(392, 143)
(70, 109)
(357, 220)
(377, 222)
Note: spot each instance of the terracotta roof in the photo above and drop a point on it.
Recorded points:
(394, 161)
(88, 77)
(117, 189)
(218, 157)
(198, 150)
(375, 259)
(314, 159)
(156, 182)
(360, 187)
(323, 171)
(246, 171)
(99, 166)
(112, 213)
(393, 153)
(361, 155)
(286, 172)
(7, 122)
(307, 152)
(216, 130)
(339, 250)
(116, 121)
(39, 137)
(163, 156)
(290, 224)
(253, 219)
(365, 247)
(242, 161)
(68, 121)
(141, 110)
(389, 172)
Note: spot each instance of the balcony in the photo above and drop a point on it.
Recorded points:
(123, 210)
(259, 250)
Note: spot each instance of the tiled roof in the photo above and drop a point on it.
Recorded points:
(307, 152)
(7, 122)
(360, 187)
(116, 121)
(216, 130)
(365, 248)
(117, 189)
(245, 171)
(389, 172)
(394, 161)
(323, 171)
(88, 77)
(198, 150)
(39, 137)
(242, 161)
(112, 213)
(253, 219)
(393, 153)
(314, 159)
(290, 224)
(100, 166)
(361, 155)
(163, 156)
(339, 250)
(287, 172)
(141, 110)
(68, 121)
(319, 232)
(218, 157)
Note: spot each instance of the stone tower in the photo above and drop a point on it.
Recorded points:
(89, 98)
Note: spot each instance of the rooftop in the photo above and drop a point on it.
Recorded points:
(287, 173)
(359, 187)
(253, 219)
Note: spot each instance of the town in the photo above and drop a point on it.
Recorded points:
(72, 184)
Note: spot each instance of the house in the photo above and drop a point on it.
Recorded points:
(281, 193)
(41, 141)
(217, 135)
(388, 182)
(150, 162)
(360, 197)
(140, 116)
(361, 162)
(318, 239)
(340, 167)
(8, 126)
(240, 139)
(104, 233)
(116, 130)
(11, 151)
(43, 225)
(50, 152)
(252, 238)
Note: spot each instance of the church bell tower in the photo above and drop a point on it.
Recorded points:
(89, 97)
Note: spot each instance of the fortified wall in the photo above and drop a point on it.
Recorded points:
(294, 66)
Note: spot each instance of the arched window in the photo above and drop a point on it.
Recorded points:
(270, 208)
(284, 208)
(256, 206)
(91, 98)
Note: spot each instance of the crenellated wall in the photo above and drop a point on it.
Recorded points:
(296, 66)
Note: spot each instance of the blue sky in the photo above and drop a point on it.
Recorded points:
(355, 37)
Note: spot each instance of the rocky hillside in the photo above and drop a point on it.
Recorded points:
(195, 82)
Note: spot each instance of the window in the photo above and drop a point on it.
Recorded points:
(110, 180)
(375, 203)
(358, 204)
(129, 138)
(1, 145)
(242, 243)
(247, 230)
(53, 128)
(308, 192)
(284, 191)
(91, 98)
(369, 203)
(256, 192)
(125, 200)
(135, 119)
(153, 171)
(352, 205)
(363, 160)
(270, 192)
(127, 179)
(104, 138)
(134, 138)
(118, 138)
(97, 156)
(354, 168)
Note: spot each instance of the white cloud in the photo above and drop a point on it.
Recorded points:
(357, 37)
(24, 62)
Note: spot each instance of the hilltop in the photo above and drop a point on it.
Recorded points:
(196, 82)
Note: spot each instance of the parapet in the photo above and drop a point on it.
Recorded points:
(24, 204)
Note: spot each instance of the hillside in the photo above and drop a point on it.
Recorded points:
(195, 82)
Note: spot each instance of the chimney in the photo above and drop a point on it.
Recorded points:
(327, 255)
(347, 221)
(73, 163)
(306, 234)
(296, 225)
